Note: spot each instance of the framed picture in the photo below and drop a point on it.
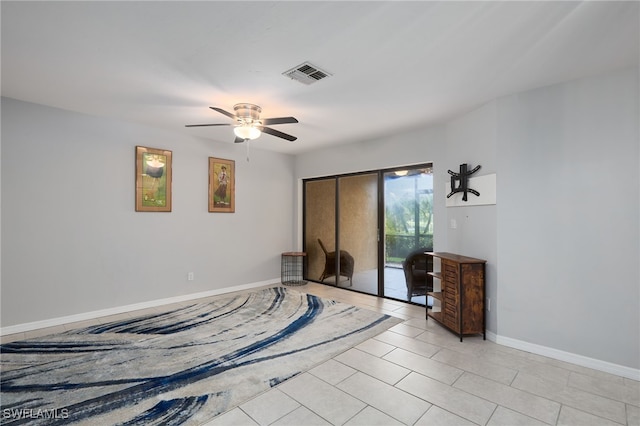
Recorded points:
(153, 180)
(222, 176)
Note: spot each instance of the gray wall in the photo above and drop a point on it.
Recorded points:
(471, 139)
(568, 211)
(72, 242)
(562, 243)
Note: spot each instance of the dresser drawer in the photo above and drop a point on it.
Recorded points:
(449, 270)
(450, 310)
(450, 288)
(450, 317)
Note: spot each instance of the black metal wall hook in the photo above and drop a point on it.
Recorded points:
(463, 177)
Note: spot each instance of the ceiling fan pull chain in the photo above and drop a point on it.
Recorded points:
(246, 142)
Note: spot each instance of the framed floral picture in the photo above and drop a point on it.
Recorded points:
(222, 176)
(153, 180)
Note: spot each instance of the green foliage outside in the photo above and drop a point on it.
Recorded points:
(403, 233)
(399, 246)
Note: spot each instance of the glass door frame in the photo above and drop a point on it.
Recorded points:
(380, 222)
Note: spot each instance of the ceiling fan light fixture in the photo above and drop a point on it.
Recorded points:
(247, 131)
(248, 125)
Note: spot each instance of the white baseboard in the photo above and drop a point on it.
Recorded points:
(21, 328)
(583, 361)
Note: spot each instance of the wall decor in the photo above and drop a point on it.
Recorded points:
(153, 179)
(462, 177)
(222, 176)
(486, 187)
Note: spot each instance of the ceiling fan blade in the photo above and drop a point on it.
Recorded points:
(279, 120)
(239, 140)
(202, 125)
(276, 133)
(228, 114)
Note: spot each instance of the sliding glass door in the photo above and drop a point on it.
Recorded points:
(320, 229)
(358, 230)
(408, 233)
(361, 229)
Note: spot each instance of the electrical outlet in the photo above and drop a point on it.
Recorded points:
(190, 276)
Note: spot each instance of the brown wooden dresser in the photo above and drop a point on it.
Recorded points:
(459, 305)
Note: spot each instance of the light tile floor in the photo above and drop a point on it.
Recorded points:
(418, 373)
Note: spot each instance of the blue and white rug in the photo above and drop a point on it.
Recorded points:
(183, 366)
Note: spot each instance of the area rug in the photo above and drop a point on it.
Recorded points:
(183, 366)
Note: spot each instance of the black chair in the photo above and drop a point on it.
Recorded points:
(415, 266)
(346, 264)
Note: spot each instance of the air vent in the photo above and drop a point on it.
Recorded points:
(306, 73)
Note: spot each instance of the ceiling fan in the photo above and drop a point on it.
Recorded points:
(249, 125)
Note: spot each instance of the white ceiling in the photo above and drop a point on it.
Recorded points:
(395, 65)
